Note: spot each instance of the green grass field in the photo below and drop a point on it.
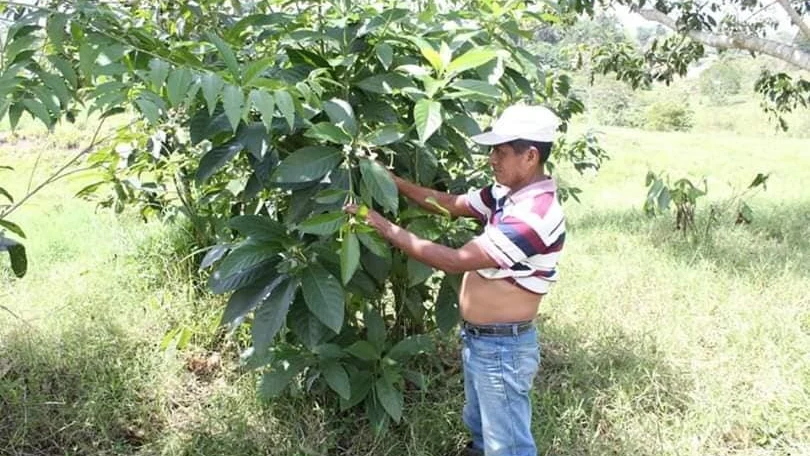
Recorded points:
(653, 343)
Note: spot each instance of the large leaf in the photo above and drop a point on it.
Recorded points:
(388, 134)
(375, 244)
(363, 350)
(254, 138)
(233, 100)
(227, 54)
(179, 82)
(16, 251)
(323, 296)
(390, 398)
(341, 114)
(282, 372)
(247, 266)
(13, 227)
(309, 330)
(337, 378)
(246, 256)
(385, 83)
(266, 105)
(216, 158)
(326, 131)
(361, 384)
(286, 105)
(349, 257)
(427, 116)
(244, 300)
(258, 228)
(271, 313)
(418, 272)
(446, 311)
(410, 346)
(476, 89)
(255, 69)
(307, 164)
(471, 59)
(204, 126)
(323, 224)
(382, 186)
(212, 86)
(375, 326)
(429, 53)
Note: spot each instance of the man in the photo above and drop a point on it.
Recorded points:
(507, 270)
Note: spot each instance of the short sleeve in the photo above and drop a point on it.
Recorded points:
(481, 202)
(514, 239)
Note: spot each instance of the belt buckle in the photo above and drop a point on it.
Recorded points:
(472, 329)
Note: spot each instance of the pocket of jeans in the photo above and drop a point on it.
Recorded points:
(527, 363)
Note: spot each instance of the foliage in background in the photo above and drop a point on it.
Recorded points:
(258, 123)
(16, 250)
(721, 80)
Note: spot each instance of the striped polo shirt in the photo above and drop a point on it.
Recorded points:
(524, 233)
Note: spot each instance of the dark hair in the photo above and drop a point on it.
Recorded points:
(522, 145)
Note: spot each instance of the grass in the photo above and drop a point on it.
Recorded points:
(653, 344)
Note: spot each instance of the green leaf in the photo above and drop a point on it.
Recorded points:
(4, 192)
(385, 83)
(307, 164)
(212, 86)
(306, 327)
(254, 138)
(178, 85)
(233, 274)
(363, 350)
(255, 69)
(471, 59)
(375, 244)
(271, 313)
(361, 383)
(233, 101)
(56, 29)
(409, 347)
(246, 256)
(349, 257)
(382, 186)
(149, 110)
(205, 126)
(418, 272)
(447, 315)
(216, 158)
(427, 115)
(480, 89)
(385, 54)
(337, 378)
(265, 104)
(323, 296)
(66, 69)
(429, 53)
(16, 252)
(38, 110)
(323, 224)
(13, 227)
(158, 71)
(283, 371)
(325, 131)
(388, 134)
(375, 326)
(286, 105)
(341, 114)
(390, 398)
(227, 54)
(331, 196)
(259, 228)
(244, 300)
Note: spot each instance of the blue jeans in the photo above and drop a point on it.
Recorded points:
(498, 374)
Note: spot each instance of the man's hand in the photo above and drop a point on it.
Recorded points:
(372, 218)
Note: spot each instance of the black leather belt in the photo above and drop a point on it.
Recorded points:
(501, 329)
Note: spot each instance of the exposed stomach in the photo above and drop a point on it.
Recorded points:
(485, 301)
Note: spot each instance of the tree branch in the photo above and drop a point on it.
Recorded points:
(785, 52)
(795, 17)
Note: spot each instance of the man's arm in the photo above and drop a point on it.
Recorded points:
(456, 205)
(470, 257)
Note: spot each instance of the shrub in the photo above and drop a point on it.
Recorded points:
(720, 81)
(669, 115)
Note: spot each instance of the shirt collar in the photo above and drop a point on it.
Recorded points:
(547, 185)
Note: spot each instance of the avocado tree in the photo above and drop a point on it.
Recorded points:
(257, 122)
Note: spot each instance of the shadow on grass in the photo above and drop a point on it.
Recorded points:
(776, 242)
(85, 390)
(593, 389)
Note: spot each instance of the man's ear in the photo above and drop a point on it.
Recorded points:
(534, 153)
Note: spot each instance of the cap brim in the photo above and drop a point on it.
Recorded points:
(491, 139)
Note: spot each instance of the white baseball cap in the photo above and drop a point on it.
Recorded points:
(532, 123)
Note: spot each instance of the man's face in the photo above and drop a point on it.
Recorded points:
(511, 168)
